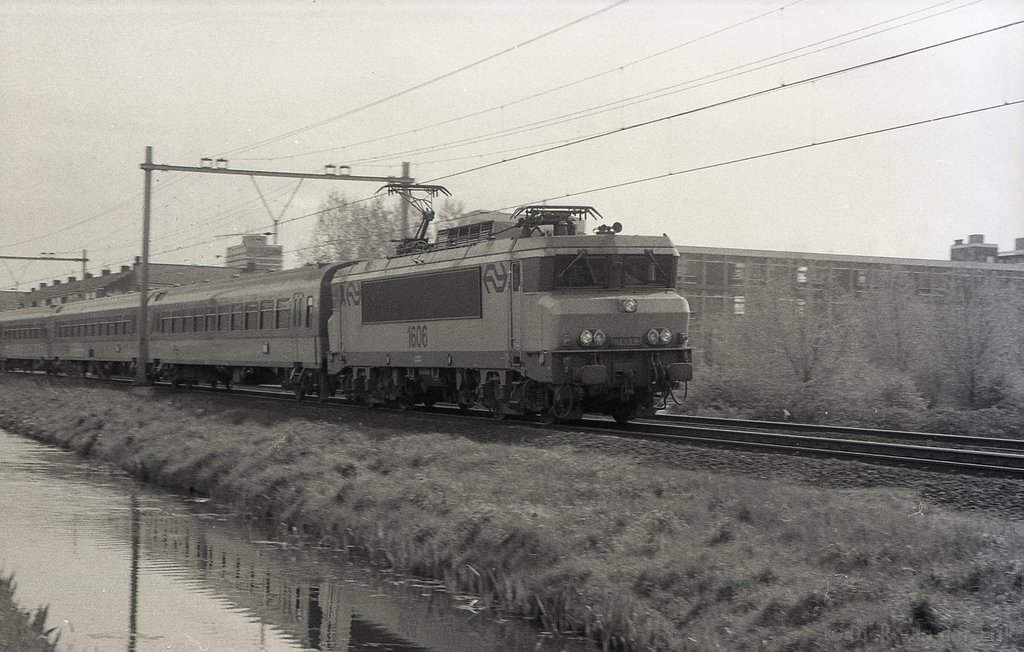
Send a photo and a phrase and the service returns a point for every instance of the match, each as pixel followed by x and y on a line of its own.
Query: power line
pixel 541 93
pixel 428 82
pixel 551 121
pixel 734 161
pixel 738 98
pixel 665 91
pixel 352 111
pixel 786 150
pixel 691 170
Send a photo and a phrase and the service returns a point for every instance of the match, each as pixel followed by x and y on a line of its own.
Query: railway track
pixel 937 451
pixel 957 453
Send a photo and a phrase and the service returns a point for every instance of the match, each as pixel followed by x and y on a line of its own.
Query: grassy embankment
pixel 638 556
pixel 21 630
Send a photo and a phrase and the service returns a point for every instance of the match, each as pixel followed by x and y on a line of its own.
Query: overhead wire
pixel 374 103
pixel 541 93
pixel 607 133
pixel 552 121
pixel 733 161
pixel 705 107
pixel 664 91
pixel 786 150
pixel 732 100
pixel 428 82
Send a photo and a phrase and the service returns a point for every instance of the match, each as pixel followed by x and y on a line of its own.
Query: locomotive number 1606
pixel 418 336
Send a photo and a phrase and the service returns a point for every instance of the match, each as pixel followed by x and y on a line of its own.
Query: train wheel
pixel 624 412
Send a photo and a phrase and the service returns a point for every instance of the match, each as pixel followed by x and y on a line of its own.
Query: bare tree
pixel 354 230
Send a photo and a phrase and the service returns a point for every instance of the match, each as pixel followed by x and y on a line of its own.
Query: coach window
pixel 165 324
pixel 252 315
pixel 309 311
pixel 283 310
pixel 236 316
pixel 266 315
pixel 186 322
pixel 224 318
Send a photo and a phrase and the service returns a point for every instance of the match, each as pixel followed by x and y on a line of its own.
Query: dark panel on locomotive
pixel 446 295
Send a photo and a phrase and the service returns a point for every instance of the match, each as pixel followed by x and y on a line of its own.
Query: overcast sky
pixel 86 86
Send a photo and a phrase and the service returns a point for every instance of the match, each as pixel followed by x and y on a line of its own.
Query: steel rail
pixel 945 439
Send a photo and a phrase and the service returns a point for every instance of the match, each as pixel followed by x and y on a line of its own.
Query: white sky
pixel 86 86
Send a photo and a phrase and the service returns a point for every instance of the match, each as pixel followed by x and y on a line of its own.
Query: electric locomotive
pixel 537 318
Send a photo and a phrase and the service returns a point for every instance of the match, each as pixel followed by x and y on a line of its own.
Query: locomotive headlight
pixel 665 336
pixel 628 305
pixel 600 338
pixel 586 338
pixel 653 336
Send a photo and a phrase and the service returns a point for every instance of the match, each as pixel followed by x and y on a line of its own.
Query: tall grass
pixel 636 556
pixel 22 630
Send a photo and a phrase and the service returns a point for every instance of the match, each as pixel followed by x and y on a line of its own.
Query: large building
pixel 9 300
pixel 718 280
pixel 254 255
pixel 109 283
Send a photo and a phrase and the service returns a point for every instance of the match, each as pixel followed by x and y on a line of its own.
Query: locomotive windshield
pixel 644 269
pixel 581 271
pixel 604 271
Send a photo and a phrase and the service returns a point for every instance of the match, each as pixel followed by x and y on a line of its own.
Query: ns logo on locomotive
pixel 531 317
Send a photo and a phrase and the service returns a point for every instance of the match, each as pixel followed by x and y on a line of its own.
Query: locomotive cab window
pixel 647 269
pixel 581 271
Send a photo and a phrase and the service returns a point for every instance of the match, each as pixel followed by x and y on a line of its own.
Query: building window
pixel 801 274
pixel 737 273
pixel 714 274
pixel 692 271
pixel 739 305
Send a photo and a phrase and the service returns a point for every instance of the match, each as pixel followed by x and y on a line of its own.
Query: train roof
pixel 536 246
pixel 26 314
pixel 279 284
pixel 283 283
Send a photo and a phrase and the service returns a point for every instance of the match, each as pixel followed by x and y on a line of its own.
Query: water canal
pixel 125 566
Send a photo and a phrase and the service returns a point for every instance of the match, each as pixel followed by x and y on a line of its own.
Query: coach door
pixel 299 342
pixel 515 312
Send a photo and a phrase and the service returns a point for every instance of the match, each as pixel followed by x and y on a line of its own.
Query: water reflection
pixel 200 578
pixel 133 590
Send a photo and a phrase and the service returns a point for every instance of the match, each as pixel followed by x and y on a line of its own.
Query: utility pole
pixel 218 166
pixel 405 204
pixel 142 328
